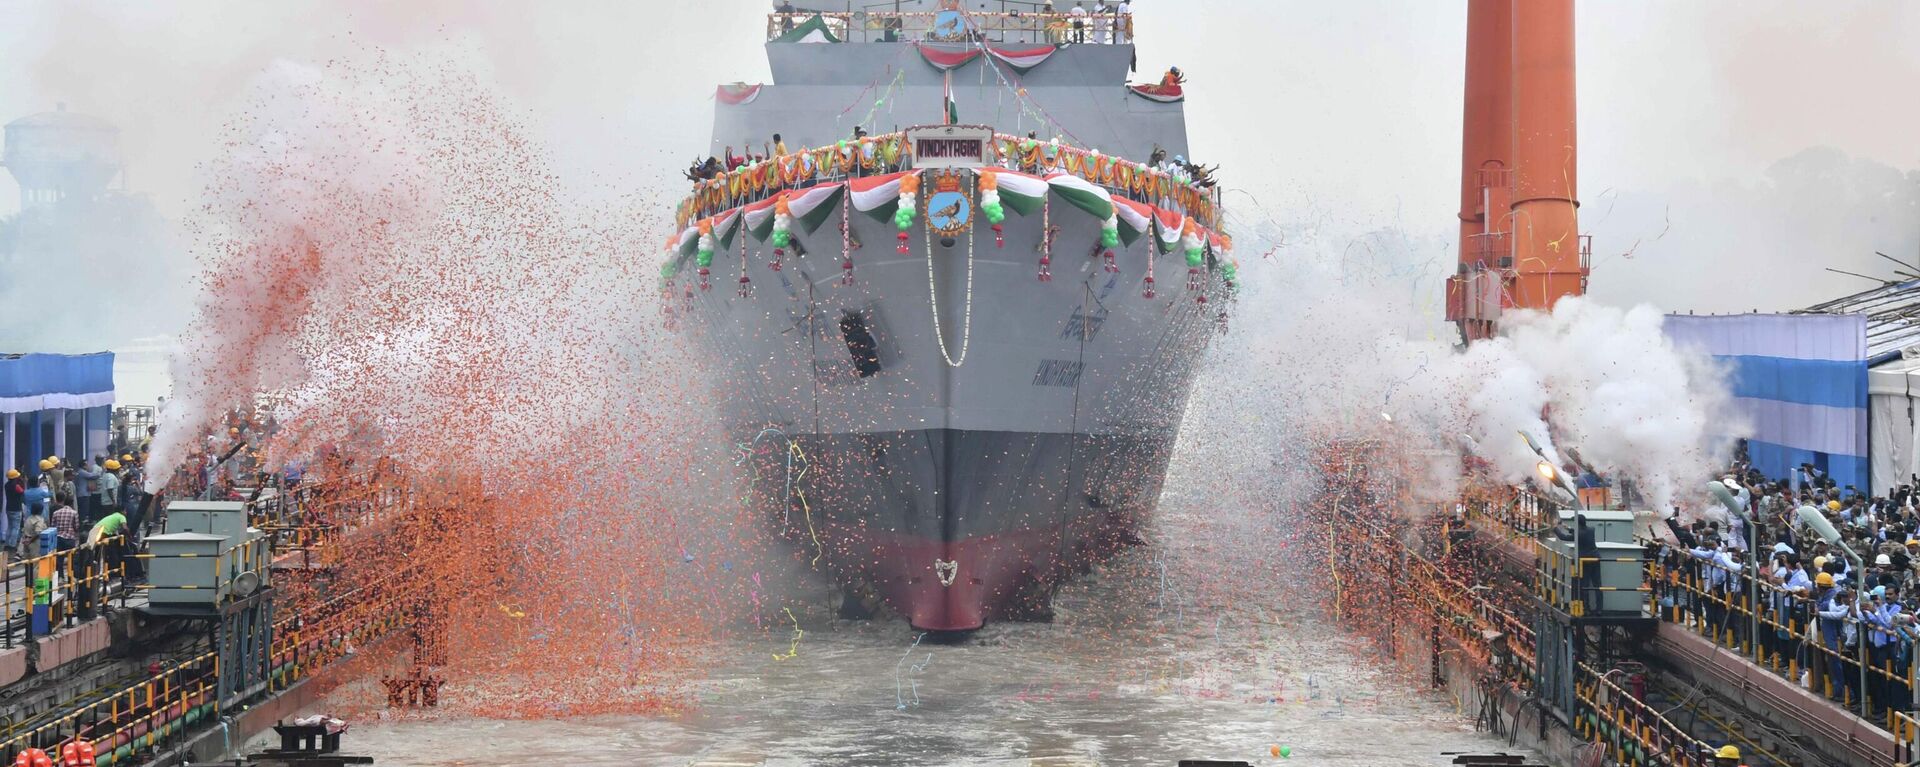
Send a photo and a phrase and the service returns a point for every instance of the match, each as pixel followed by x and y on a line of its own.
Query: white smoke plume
pixel 1326 339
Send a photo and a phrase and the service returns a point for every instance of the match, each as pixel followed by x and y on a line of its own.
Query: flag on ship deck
pixel 950 111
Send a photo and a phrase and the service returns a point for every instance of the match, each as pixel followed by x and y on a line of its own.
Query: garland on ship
pixel 872 155
pixel 895 198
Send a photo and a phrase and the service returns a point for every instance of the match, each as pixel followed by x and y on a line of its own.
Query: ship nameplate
pixel 951 146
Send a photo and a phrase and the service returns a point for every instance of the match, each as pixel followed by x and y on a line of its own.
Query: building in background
pixel 61 155
pixel 85 263
pixel 54 404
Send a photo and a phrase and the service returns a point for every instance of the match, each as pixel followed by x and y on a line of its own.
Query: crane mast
pixel 1520 241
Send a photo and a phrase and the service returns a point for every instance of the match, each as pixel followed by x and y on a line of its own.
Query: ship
pixel 956 311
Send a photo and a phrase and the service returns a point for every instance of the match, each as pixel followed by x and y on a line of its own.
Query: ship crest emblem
pixel 949 210
pixel 949 25
pixel 945 570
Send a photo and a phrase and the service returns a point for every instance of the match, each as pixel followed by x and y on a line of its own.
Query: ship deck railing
pixel 1005 26
pixel 868 156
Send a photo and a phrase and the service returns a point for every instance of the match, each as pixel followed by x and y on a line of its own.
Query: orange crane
pixel 1520 241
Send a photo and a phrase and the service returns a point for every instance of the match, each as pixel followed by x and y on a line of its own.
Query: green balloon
pixel 1286 752
pixel 704 258
pixel 843 144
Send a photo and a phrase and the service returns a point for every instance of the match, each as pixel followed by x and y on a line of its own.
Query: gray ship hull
pixel 957 473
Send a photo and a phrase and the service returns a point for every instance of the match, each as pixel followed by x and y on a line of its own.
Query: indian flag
pixel 1082 194
pixel 685 246
pixel 1170 223
pixel 811 206
pixel 759 218
pixel 877 196
pixel 1136 218
pixel 949 110
pixel 725 226
pixel 1020 192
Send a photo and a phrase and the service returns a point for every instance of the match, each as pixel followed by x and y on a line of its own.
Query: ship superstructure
pixel 960 313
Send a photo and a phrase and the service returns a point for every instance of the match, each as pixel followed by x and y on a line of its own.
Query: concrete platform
pixel 1762 691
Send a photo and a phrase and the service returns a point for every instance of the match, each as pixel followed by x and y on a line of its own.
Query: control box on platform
pixel 222 518
pixel 207 556
pixel 1601 571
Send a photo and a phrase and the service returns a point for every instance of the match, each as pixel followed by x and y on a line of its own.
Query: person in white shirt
pixel 1079 14
pixel 1123 22
pixel 1102 23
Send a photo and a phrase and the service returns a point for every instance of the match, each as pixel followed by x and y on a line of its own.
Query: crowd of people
pixel 100 498
pixel 1104 22
pixel 1822 606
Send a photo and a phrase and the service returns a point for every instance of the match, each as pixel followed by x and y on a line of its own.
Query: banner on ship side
pixel 1165 94
pixel 945 59
pixel 1020 58
pixel 736 94
pixel 1170 224
pixel 811 206
pixel 1135 218
pixel 1082 194
pixel 877 196
pixel 1024 59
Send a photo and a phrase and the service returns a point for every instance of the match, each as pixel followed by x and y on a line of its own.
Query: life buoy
pixel 32 757
pixel 77 753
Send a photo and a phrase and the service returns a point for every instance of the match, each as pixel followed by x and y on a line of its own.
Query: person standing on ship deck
pixel 1079 14
pixel 1102 25
pixel 786 12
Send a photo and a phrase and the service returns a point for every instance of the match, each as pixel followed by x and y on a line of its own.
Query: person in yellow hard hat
pixel 109 484
pixel 46 464
pixel 1727 756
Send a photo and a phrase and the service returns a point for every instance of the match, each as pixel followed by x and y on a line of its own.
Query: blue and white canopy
pixel 30 382
pixel 1801 380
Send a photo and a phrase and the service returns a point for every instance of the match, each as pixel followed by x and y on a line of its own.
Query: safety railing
pixel 1906 731
pixel 1779 630
pixel 958 26
pixel 891 153
pixel 71 583
pixel 1605 713
pixel 165 708
pixel 1634 732
pixel 155 711
pixel 304 518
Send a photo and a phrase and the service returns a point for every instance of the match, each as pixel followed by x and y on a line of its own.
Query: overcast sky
pixel 1347 112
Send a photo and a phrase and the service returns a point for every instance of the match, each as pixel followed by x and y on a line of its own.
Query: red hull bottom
pixel 993 576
